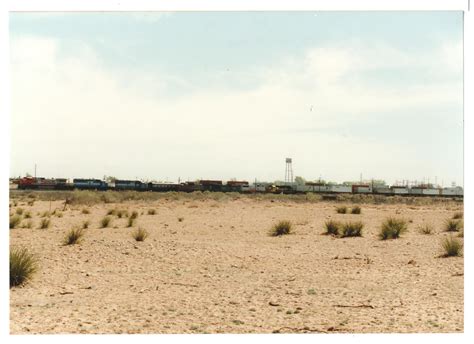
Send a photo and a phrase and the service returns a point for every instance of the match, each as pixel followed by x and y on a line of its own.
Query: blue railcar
pixel 134 185
pixel 90 184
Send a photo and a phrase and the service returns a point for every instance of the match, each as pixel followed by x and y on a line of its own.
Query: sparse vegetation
pixel 45 223
pixel 74 236
pixel 281 228
pixel 452 247
pixel 457 216
pixel 356 210
pixel 28 224
pixel 425 228
pixel 134 214
pixel 58 213
pixel 27 215
pixel 46 214
pixel 22 266
pixel 332 227
pixel 85 211
pixel 451 225
pixel 140 234
pixel 122 213
pixel 461 233
pixel 86 224
pixel 112 212
pixel 106 222
pixel 392 228
pixel 151 211
pixel 14 221
pixel 341 210
pixel 19 211
pixel 352 229
pixel 131 221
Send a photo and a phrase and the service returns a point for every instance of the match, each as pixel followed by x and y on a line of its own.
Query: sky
pixel 221 95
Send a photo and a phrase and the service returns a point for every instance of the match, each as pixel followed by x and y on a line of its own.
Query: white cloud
pixel 74 116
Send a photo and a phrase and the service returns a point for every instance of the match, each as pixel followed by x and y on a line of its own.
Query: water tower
pixel 288 171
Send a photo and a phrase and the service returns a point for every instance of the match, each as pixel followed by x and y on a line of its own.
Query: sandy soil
pixel 218 271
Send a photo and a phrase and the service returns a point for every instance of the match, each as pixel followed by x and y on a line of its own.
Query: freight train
pixel 31 183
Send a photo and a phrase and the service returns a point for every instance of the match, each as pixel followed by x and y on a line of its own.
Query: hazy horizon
pixel 221 95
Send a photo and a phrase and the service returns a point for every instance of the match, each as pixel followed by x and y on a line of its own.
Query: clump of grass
pixel 332 227
pixel 14 221
pixel 46 214
pixel 451 225
pixel 352 229
pixel 392 228
pixel 140 234
pixel 425 228
pixel 341 210
pixel 122 213
pixel 452 247
pixel 45 223
pixel 27 215
pixel 19 211
pixel 74 236
pixel 28 224
pixel 281 228
pixel 457 216
pixel 106 222
pixel 22 266
pixel 86 224
pixel 151 211
pixel 134 214
pixel 85 211
pixel 58 214
pixel 130 221
pixel 112 212
pixel 31 202
pixel 356 210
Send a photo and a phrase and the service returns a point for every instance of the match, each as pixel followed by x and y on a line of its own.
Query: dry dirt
pixel 218 271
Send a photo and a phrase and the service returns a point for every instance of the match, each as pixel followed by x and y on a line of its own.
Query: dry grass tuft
pixel 281 228
pixel 14 221
pixel 74 236
pixel 341 210
pixel 140 234
pixel 106 222
pixel 392 228
pixel 86 224
pixel 22 266
pixel 352 229
pixel 19 211
pixel 356 210
pixel 425 228
pixel 134 215
pixel 451 225
pixel 85 211
pixel 332 227
pixel 459 215
pixel 151 212
pixel 45 223
pixel 452 247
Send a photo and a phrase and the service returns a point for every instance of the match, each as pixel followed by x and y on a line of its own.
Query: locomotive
pixel 31 183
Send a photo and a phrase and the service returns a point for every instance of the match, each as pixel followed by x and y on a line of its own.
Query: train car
pixel 89 184
pixel 27 183
pixel 164 187
pixel 431 192
pixel 382 190
pixel 452 191
pixel 316 187
pixel 189 187
pixel 211 185
pixel 341 188
pixel 44 184
pixel 416 190
pixel 235 185
pixel 361 188
pixel 134 185
pixel 399 190
pixel 258 188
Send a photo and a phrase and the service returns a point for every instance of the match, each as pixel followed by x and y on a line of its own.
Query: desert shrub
pixel 27 215
pixel 14 221
pixel 392 228
pixel 356 210
pixel 106 222
pixel 457 216
pixel 281 228
pixel 28 224
pixel 341 210
pixel 85 211
pixel 140 234
pixel 352 229
pixel 22 266
pixel 45 223
pixel 74 236
pixel 86 224
pixel 425 228
pixel 131 221
pixel 151 211
pixel 134 214
pixel 452 247
pixel 451 225
pixel 19 211
pixel 332 227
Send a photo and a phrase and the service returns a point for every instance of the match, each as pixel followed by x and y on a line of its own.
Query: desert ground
pixel 210 266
